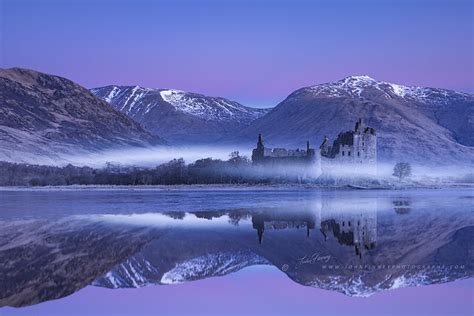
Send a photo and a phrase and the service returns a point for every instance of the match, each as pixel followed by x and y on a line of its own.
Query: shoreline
pixel 232 187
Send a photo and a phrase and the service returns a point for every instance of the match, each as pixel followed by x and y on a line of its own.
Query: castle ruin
pixel 356 147
pixel 263 154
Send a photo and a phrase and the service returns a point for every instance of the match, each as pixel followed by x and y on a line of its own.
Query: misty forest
pixel 236 170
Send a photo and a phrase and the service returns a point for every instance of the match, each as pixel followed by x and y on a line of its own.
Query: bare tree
pixel 402 170
pixel 236 159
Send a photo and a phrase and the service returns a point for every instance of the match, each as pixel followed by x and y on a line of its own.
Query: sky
pixel 254 52
pixel 257 290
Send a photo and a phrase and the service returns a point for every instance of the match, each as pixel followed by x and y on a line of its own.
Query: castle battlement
pixel 263 154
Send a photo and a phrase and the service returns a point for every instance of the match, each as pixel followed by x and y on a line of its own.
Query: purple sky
pixel 256 291
pixel 255 52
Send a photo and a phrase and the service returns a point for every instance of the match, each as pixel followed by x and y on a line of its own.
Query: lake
pixel 236 250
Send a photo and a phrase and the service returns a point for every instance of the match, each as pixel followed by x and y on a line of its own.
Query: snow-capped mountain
pixel 138 271
pixel 403 255
pixel 178 116
pixel 430 243
pixel 402 266
pixel 356 86
pixel 413 123
pixel 43 115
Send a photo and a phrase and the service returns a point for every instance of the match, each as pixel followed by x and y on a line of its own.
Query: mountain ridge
pixel 180 116
pixel 44 115
pixel 413 123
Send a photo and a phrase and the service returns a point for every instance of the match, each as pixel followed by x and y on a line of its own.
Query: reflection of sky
pixel 256 52
pixel 161 220
pixel 256 291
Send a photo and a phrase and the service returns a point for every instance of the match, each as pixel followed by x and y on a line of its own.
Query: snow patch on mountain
pixel 136 95
pixel 111 94
pixel 353 85
pixel 354 287
pixel 130 273
pixel 358 286
pixel 171 96
pixel 137 271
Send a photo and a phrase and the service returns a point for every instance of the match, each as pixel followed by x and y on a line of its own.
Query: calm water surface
pixel 279 252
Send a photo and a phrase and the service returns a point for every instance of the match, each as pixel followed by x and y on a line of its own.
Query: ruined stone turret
pixel 259 152
pixel 358 146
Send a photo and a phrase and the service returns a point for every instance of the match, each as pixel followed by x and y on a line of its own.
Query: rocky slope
pixel 44 115
pixel 413 123
pixel 180 117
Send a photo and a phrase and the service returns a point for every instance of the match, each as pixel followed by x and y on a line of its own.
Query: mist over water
pixel 153 156
pixel 150 157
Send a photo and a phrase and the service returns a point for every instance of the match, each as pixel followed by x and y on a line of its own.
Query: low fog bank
pixel 151 156
pixel 154 156
pixel 223 165
pixel 418 173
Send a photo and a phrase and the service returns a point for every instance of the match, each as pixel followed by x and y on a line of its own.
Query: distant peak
pixel 358 78
pixel 170 91
pixel 352 85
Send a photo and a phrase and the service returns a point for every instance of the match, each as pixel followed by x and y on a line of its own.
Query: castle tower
pixel 258 153
pixel 258 224
pixel 360 126
pixel 260 142
pixel 358 146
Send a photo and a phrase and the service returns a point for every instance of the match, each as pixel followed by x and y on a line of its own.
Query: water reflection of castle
pixel 359 231
pixel 263 221
pixel 351 223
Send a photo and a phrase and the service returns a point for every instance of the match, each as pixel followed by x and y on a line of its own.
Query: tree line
pixel 236 170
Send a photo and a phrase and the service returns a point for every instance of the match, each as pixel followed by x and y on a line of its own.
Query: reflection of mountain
pixel 430 244
pixel 404 257
pixel 40 261
pixel 397 251
pixel 138 271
